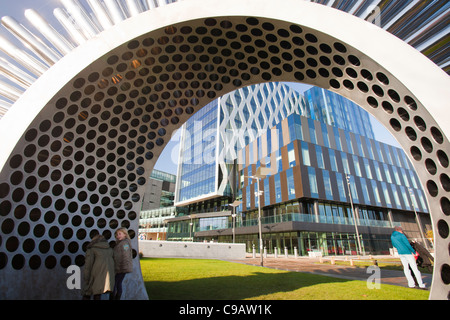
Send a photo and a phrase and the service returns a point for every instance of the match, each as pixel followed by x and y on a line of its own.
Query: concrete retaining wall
pixel 174 249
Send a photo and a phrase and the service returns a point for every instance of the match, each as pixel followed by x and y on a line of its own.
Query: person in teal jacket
pixel 406 254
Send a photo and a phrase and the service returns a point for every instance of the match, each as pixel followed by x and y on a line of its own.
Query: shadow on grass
pixel 234 287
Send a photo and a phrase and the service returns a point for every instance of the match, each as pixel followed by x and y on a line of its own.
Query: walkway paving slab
pixel 313 265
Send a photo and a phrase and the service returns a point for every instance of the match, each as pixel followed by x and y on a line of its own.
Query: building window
pixel 266 192
pixel 278 160
pixel 386 194
pixel 396 175
pixel 353 189
pixel 369 148
pixel 319 155
pixel 277 188
pixel 376 193
pixel 326 139
pixel 396 197
pixel 368 170
pixel 341 187
pixel 405 177
pixel 332 160
pixel 290 183
pixel 305 154
pixel 380 153
pixel 247 198
pixel 295 128
pixel 357 167
pixel 312 131
pixel 291 155
pixel 406 200
pixel 345 163
pixel 388 154
pixel 280 135
pixel 313 182
pixel 365 191
pixel 377 170
pixel 387 172
pixel 422 200
pixel 360 146
pixel 298 128
pixel 327 185
pixel 337 139
pixel 349 142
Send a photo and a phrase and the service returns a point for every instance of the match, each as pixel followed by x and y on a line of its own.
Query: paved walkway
pixel 313 265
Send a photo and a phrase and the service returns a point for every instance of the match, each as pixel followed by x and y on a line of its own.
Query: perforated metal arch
pixel 82 164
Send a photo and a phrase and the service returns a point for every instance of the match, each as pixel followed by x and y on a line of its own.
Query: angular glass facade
pixel 333 109
pixel 198 160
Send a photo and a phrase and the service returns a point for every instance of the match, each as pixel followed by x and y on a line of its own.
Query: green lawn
pixel 196 279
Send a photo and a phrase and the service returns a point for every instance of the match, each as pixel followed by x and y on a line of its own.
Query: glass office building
pixel 314 169
pixel 318 143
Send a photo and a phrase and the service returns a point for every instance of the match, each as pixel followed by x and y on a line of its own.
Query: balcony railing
pixel 301 217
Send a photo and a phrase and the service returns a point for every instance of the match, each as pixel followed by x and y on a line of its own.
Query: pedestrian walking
pixel 123 260
pixel 98 277
pixel 406 253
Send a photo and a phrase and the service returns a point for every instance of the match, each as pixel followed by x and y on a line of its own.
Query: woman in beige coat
pixel 98 269
pixel 123 259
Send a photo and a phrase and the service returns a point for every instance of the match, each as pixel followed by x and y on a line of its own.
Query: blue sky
pixel 167 160
pixel 16 8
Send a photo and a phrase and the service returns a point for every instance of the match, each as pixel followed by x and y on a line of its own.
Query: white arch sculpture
pixel 76 147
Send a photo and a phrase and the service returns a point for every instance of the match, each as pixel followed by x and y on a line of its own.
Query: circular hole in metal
pixel 411 103
pixel 437 135
pixel 18 261
pixel 372 102
pixel 445 275
pixel 430 166
pixel 443 229
pixel 445 205
pixel 377 90
pixel 394 95
pixel 442 158
pixel 363 87
pixel 366 74
pixel 395 124
pixel 445 181
pixel 420 123
pixel 382 78
pixel 432 188
pixel 426 144
pixel 411 133
pixel 403 114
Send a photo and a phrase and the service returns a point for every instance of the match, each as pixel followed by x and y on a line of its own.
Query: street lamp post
pixel 261 173
pixel 190 229
pixel 233 215
pixel 353 211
